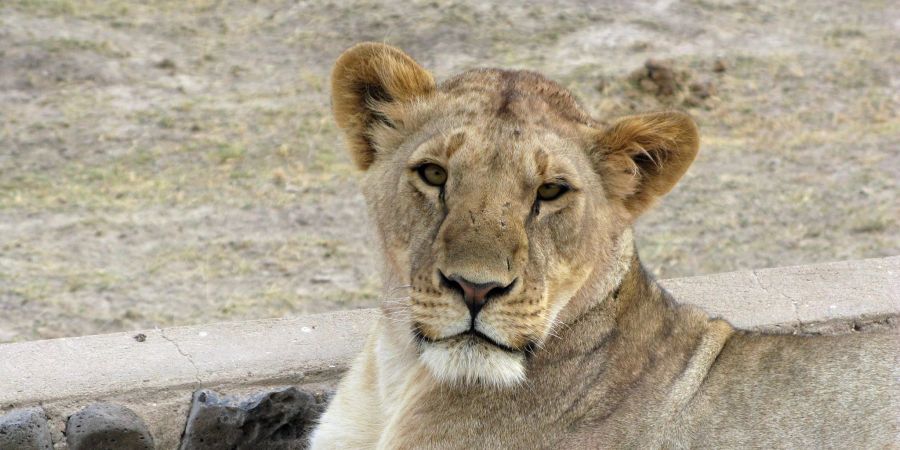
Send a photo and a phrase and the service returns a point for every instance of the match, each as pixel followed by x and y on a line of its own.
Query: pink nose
pixel 475 295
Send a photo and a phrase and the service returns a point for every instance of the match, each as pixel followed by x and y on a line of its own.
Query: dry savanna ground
pixel 174 162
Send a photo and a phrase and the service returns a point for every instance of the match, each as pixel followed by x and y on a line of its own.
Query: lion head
pixel 497 201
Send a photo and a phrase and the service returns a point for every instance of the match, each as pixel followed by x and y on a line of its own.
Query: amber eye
pixel 551 191
pixel 432 174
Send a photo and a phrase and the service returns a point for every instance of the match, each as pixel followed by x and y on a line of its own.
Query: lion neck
pixel 620 299
pixel 605 277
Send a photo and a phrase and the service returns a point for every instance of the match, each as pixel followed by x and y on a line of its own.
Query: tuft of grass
pixel 871 225
pixel 226 153
pixel 47 7
pixel 64 45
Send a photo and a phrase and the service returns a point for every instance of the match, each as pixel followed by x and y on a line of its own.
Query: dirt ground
pixel 167 163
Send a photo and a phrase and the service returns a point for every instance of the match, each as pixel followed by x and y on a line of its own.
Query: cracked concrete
pixel 794 307
pixel 183 353
pixel 798 299
pixel 155 372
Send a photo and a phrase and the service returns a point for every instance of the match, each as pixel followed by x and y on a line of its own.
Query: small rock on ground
pixel 280 419
pixel 25 429
pixel 105 426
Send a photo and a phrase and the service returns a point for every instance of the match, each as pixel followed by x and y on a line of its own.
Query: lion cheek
pixel 563 282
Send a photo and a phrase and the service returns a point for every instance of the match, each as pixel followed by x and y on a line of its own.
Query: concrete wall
pixel 155 372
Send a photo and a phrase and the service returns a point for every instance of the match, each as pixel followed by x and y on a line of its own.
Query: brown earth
pixel 173 162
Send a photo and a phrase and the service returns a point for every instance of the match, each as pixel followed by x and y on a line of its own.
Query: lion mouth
pixel 474 337
pixel 472 357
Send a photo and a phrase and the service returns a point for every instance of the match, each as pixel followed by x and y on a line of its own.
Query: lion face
pixel 490 238
pixel 496 199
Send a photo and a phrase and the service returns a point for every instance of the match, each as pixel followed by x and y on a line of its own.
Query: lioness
pixel 527 321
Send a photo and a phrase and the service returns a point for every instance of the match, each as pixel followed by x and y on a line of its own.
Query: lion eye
pixel 551 191
pixel 432 174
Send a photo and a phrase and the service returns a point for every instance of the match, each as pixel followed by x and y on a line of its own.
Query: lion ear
pixel 365 77
pixel 640 158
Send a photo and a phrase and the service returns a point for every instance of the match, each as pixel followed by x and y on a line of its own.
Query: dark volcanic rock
pixel 105 426
pixel 662 76
pixel 279 419
pixel 25 429
pixel 672 86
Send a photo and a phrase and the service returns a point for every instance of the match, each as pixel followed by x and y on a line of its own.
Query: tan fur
pixel 590 352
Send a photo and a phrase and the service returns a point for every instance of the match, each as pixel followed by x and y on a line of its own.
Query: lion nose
pixel 475 295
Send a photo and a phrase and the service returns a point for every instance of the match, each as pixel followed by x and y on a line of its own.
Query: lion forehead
pixel 518 95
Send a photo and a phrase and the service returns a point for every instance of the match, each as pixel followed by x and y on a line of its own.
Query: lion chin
pixel 469 360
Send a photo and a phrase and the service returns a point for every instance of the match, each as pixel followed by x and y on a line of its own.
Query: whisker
pixel 405 286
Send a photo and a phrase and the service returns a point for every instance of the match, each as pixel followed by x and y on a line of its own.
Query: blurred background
pixel 175 162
